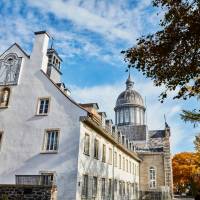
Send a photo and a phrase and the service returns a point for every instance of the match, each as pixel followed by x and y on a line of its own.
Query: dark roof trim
pixel 63 92
pixel 15 44
pixel 42 32
pixel 104 133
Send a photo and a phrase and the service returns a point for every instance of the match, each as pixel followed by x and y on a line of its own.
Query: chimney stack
pixel 39 52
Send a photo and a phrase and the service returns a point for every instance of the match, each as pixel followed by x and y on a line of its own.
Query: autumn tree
pixel 171 56
pixel 197 143
pixel 185 172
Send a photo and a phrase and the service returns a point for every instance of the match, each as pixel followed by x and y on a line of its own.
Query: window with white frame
pixel 94 186
pixel 152 178
pixel 87 144
pixel 85 186
pixel 43 106
pixel 51 140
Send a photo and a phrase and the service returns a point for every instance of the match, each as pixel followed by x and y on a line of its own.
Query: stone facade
pixel 155 160
pixel 27 192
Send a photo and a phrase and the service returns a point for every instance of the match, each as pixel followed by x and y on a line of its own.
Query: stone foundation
pixel 27 192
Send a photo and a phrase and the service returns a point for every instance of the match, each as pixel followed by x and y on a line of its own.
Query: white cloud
pixel 112 20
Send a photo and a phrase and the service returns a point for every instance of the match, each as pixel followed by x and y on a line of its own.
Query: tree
pixel 171 56
pixel 197 143
pixel 185 172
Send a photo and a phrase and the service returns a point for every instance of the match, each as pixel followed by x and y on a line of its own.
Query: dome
pixel 130 96
pixel 129 109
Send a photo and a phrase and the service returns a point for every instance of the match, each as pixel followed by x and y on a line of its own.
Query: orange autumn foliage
pixel 186 171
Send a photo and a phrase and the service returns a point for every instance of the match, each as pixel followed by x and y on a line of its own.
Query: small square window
pixel 43 106
pixel 51 141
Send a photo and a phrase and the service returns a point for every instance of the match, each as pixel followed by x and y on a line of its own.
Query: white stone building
pixel 48 138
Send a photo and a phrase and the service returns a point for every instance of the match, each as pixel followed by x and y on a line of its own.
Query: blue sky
pixel 89 36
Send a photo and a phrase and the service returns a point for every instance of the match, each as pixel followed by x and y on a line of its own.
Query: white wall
pixel 24 131
pixel 93 167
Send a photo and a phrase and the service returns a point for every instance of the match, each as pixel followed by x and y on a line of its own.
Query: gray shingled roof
pixel 157 134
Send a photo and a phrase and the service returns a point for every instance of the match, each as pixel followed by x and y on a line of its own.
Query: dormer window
pixel 43 106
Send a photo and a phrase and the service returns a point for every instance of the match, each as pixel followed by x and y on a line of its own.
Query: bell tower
pixel 54 65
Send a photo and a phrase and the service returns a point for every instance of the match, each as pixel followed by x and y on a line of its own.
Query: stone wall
pixel 27 192
pixel 151 160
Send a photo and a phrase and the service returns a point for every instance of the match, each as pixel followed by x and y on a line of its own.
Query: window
pixel 132 168
pixel 123 186
pixel 47 178
pixel 121 120
pixel 126 165
pixel 104 153
pixel 120 188
pixel 126 115
pixel 129 166
pixel 87 144
pixel 115 159
pixel 43 106
pixel 109 187
pixel 103 187
pixel 85 186
pixel 1 135
pixel 4 97
pixel 94 187
pixel 115 185
pixel 51 140
pixel 152 178
pixel 123 163
pixel 96 149
pixel 110 156
pixel 120 161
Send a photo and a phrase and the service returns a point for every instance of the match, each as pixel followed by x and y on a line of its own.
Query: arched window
pixel 152 178
pixel 4 97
